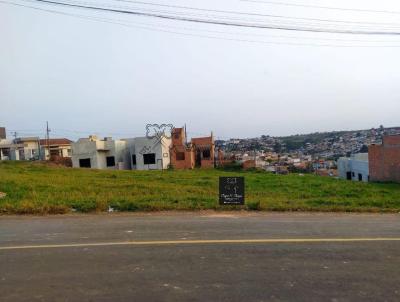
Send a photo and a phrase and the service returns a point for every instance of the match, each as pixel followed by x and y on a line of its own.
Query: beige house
pixel 24 148
pixel 59 147
pixel 33 148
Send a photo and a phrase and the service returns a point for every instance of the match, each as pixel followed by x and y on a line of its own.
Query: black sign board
pixel 231 190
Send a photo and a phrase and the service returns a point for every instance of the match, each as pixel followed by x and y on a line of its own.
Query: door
pixel 198 158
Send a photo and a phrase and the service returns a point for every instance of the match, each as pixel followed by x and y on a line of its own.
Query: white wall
pixel 98 150
pixel 145 145
pixel 84 148
pixel 357 164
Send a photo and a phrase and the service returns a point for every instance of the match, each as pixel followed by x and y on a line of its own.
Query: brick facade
pixel 384 160
pixel 3 133
pixel 198 153
pixel 181 154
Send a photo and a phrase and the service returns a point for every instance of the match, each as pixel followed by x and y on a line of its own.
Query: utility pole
pixel 185 135
pixel 47 139
pixel 40 153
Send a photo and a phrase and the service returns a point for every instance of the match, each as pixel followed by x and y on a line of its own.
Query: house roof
pixel 199 141
pixel 55 141
pixel 27 139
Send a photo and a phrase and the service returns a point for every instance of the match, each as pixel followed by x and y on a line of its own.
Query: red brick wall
pixel 178 137
pixel 384 160
pixel 178 145
pixel 391 140
pixel 248 164
pixel 3 133
pixel 188 163
pixel 207 163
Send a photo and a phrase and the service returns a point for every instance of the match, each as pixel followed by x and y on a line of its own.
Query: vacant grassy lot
pixel 37 188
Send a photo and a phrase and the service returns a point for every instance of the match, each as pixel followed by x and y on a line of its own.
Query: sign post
pixel 231 190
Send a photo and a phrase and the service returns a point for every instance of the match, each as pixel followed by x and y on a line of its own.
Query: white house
pixel 140 153
pixel 100 154
pixel 149 153
pixel 354 168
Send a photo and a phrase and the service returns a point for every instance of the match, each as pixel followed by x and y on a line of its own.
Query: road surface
pixel 201 256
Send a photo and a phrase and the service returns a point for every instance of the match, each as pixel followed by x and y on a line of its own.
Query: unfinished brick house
pixel 199 153
pixel 384 160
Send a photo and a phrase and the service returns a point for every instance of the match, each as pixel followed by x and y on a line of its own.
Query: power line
pixel 207 36
pixel 324 7
pixel 225 17
pixel 204 30
pixel 221 22
pixel 255 14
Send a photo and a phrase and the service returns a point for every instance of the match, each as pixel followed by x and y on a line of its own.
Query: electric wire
pixel 323 7
pixel 256 14
pixel 207 36
pixel 209 31
pixel 220 22
pixel 180 13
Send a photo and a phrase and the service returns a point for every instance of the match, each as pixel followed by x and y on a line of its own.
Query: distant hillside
pixel 332 145
pixel 297 141
pixel 294 142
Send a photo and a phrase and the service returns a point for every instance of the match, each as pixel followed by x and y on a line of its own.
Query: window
pixel 359 177
pixel 134 159
pixel 149 158
pixel 353 174
pixel 85 163
pixel 206 154
pixel 110 161
pixel 180 155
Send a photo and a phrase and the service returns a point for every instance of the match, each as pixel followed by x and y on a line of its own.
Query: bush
pixel 254 206
pixel 234 166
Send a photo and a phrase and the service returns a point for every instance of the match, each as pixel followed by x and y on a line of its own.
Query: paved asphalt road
pixel 141 257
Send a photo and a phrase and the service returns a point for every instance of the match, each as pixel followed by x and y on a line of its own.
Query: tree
pixel 277 147
pixel 364 149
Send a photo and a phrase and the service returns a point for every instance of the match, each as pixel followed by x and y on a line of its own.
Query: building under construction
pixel 198 153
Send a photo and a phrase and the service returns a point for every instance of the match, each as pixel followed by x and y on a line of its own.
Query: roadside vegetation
pixel 37 188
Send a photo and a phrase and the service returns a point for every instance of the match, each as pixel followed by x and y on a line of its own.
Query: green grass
pixel 34 188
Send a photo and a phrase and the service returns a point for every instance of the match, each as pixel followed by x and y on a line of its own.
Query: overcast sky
pixel 85 76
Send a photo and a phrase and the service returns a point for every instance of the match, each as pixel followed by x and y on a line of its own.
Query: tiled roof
pixel 55 141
